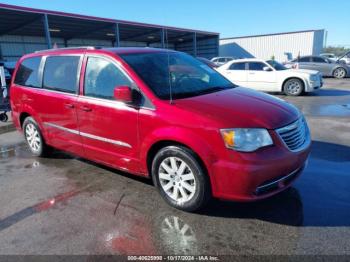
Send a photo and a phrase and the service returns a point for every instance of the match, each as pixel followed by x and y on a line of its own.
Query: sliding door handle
pixel 69 106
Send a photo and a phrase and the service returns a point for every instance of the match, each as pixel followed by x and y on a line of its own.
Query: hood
pixel 241 107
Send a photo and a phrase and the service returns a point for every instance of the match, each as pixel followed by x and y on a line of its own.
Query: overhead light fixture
pixel 180 39
pixel 54 30
pixel 150 37
pixel 110 34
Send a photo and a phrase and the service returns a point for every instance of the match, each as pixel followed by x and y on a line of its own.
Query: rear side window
pixel 101 77
pixel 61 73
pixel 237 66
pixel 28 73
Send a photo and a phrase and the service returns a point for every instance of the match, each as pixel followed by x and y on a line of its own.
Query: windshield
pixel 184 74
pixel 277 66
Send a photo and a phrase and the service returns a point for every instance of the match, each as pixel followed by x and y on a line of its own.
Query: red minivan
pixel 160 114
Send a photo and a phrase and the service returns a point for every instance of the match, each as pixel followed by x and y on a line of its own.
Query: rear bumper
pixel 260 175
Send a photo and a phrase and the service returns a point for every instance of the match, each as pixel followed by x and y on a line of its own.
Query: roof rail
pixel 69 48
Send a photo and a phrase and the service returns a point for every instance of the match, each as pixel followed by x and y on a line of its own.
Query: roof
pixel 13 10
pixel 283 33
pixel 136 50
pixel 114 50
pixel 248 60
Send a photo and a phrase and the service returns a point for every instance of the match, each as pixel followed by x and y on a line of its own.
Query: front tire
pixel 34 138
pixel 180 178
pixel 293 87
pixel 339 73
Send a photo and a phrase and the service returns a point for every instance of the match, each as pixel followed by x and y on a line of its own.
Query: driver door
pixel 259 79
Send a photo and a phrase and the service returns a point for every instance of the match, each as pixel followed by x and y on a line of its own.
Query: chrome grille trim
pixel 295 136
pixel 274 182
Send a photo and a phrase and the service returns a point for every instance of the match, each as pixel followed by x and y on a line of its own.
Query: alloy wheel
pixel 33 137
pixel 339 73
pixel 177 179
pixel 294 87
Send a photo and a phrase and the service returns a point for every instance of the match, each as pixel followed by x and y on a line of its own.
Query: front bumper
pixel 257 175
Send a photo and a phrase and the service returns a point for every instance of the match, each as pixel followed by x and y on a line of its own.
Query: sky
pixel 228 17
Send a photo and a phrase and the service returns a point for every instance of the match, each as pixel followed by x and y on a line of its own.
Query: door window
pixel 237 66
pixel 61 73
pixel 28 73
pixel 305 59
pixel 101 77
pixel 256 66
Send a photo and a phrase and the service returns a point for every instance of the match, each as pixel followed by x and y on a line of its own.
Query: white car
pixel 271 76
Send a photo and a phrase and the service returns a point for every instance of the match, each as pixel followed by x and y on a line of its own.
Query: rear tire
pixel 180 178
pixel 34 138
pixel 339 73
pixel 293 87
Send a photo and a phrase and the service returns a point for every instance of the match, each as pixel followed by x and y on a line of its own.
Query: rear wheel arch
pixel 22 117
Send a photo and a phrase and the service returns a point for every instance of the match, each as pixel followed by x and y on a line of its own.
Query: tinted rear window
pixel 61 73
pixel 28 73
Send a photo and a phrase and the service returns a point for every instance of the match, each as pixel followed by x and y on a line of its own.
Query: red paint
pixel 194 122
pixel 123 94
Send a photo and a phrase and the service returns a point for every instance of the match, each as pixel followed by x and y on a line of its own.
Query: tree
pixel 337 50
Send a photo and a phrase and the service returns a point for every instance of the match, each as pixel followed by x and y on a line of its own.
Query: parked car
pixel 208 62
pixel 324 65
pixel 330 56
pixel 222 60
pixel 160 114
pixel 271 76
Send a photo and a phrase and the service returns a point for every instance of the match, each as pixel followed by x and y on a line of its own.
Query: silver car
pixel 326 66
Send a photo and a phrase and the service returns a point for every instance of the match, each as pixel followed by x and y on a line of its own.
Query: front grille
pixel 296 135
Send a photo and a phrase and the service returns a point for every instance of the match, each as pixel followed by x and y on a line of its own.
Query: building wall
pixel 267 46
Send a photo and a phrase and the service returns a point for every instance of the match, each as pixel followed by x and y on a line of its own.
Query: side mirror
pixel 123 94
pixel 267 69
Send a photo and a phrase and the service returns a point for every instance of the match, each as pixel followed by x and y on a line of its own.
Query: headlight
pixel 313 78
pixel 246 139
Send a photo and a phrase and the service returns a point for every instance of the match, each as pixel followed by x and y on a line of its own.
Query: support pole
pixel 194 44
pixel 117 36
pixel 47 31
pixel 162 37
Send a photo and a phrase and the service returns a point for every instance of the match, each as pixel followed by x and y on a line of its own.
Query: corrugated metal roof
pixel 283 33
pixel 94 18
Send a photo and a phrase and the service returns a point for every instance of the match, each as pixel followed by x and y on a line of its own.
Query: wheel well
pixel 293 77
pixel 161 144
pixel 22 117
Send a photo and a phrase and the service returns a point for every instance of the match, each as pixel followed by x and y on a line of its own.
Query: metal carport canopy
pixel 17 20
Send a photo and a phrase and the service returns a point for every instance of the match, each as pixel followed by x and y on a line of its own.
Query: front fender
pixel 182 136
